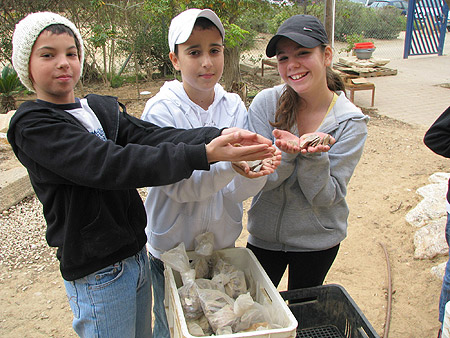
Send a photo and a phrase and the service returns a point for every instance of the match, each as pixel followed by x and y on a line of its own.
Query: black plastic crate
pixel 327 311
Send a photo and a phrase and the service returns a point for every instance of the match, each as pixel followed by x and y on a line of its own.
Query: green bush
pixel 381 23
pixel 352 19
pixel 389 23
pixel 116 81
pixel 10 85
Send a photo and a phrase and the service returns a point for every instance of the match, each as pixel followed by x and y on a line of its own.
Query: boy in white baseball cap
pixel 85 159
pixel 205 202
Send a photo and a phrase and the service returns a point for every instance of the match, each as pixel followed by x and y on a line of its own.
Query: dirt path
pixel 395 163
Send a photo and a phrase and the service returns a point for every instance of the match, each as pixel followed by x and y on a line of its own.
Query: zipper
pixel 280 216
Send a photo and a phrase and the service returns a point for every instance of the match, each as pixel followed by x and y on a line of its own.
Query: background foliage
pixel 124 37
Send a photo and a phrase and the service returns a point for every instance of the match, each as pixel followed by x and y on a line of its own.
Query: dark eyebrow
pixel 52 48
pixel 193 47
pixel 296 49
pixel 211 45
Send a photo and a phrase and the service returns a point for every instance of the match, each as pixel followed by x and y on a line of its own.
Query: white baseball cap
pixel 181 26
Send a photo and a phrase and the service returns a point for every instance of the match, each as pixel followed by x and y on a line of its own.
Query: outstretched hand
pixel 289 143
pixel 259 168
pixel 251 146
pixel 247 137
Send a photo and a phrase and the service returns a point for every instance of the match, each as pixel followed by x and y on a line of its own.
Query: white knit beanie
pixel 25 34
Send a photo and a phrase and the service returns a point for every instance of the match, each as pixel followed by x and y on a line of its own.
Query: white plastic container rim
pixel 446 323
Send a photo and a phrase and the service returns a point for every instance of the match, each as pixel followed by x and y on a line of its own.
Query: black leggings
pixel 306 269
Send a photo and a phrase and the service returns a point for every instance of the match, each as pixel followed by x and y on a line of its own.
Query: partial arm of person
pixel 437 138
pixel 83 159
pixel 221 148
pixel 260 113
pixel 202 184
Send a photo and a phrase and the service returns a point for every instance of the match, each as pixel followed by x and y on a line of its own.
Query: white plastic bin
pixel 446 322
pixel 245 260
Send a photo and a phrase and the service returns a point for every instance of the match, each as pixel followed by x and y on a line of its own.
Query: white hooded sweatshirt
pixel 208 201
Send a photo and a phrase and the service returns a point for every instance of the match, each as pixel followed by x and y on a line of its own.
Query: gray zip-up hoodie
pixel 302 207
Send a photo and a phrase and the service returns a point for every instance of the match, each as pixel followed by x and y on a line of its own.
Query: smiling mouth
pixel 297 76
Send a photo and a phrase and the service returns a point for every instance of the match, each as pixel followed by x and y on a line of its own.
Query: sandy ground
pixel 394 164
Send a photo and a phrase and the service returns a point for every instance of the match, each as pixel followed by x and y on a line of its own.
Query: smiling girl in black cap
pixel 300 216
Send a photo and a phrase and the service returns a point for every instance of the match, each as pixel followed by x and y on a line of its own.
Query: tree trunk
pixel 231 70
pixel 232 73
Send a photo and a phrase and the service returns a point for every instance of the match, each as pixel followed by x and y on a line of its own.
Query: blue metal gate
pixel 425 28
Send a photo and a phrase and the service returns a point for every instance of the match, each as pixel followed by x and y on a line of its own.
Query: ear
pixel 174 60
pixel 30 76
pixel 328 56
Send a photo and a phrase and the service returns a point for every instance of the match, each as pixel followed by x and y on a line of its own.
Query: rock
pixel 430 215
pixel 439 270
pixel 430 240
pixel 433 206
pixel 427 210
pixel 4 120
pixel 439 178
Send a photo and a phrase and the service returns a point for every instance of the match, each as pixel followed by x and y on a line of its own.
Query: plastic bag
pixel 204 247
pixel 201 323
pixel 190 301
pixel 210 284
pixel 237 284
pixel 218 308
pixel 178 260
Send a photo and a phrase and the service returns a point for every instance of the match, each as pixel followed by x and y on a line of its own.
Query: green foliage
pixel 389 23
pixel 116 81
pixel 10 82
pixel 352 20
pixel 10 85
pixel 136 30
pixel 381 23
pixel 101 34
pixel 235 35
pixel 351 40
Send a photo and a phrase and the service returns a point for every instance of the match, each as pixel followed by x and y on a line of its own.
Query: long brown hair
pixel 289 101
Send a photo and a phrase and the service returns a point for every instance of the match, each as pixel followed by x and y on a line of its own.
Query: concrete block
pixel 15 185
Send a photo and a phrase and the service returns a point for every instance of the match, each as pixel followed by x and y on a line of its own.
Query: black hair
pixel 63 29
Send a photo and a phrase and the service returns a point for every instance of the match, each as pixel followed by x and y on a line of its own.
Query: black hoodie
pixel 437 138
pixel 87 186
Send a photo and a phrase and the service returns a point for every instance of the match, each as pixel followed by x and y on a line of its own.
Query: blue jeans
pixel 114 302
pixel 445 290
pixel 161 327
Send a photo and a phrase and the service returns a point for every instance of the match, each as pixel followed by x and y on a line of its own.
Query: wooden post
pixel 329 20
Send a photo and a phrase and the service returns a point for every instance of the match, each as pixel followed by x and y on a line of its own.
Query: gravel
pixel 22 238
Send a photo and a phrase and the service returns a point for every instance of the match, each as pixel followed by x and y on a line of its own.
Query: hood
pixel 343 110
pixel 173 91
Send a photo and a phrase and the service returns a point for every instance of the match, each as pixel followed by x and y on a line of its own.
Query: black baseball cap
pixel 306 30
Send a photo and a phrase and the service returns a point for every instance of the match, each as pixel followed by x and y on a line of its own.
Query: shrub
pixel 10 85
pixel 351 20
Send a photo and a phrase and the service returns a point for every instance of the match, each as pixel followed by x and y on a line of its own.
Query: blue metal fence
pixel 425 29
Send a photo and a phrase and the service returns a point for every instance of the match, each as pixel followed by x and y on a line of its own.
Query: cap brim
pixel 301 39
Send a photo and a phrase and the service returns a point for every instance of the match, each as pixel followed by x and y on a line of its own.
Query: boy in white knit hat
pixel 207 201
pixel 85 158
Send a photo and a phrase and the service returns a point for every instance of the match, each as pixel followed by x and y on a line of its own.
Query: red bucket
pixel 364 45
